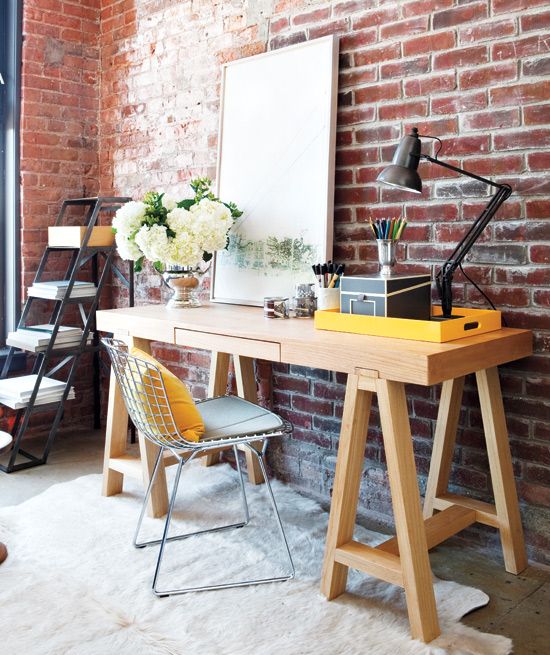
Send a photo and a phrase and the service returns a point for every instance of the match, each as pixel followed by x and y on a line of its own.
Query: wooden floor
pixel 518 607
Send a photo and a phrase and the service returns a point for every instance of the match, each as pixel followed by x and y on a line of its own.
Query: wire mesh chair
pixel 229 421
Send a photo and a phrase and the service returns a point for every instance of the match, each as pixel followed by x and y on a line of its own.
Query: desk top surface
pixel 244 330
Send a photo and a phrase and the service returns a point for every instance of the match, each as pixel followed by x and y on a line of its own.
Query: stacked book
pixel 16 392
pixel 35 339
pixel 56 289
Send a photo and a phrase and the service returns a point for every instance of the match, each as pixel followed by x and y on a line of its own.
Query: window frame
pixel 11 39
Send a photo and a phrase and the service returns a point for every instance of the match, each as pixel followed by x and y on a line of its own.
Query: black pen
pixel 324 273
pixel 317 271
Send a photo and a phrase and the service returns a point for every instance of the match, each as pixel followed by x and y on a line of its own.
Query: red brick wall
pixel 160 65
pixel 474 74
pixel 59 147
pixel 470 73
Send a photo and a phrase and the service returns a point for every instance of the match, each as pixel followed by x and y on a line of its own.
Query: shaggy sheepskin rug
pixel 74 585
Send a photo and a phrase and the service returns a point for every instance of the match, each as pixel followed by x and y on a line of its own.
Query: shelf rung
pixel 21 466
pixel 42 407
pixel 30 457
pixel 97 248
pixel 57 351
pixel 73 301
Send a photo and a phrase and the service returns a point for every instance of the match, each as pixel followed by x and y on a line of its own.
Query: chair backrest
pixel 144 395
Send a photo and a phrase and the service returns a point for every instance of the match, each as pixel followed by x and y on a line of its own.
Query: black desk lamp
pixel 402 173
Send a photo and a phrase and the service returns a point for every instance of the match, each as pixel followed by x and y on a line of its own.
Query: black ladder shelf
pixel 68 357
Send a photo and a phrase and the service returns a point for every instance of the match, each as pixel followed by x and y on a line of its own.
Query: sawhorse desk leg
pixel 246 388
pixel 347 479
pixel 409 525
pixel 403 561
pixel 504 514
pixel 116 444
pixel 116 436
pixel 217 386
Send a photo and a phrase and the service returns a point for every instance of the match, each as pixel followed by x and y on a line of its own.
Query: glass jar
pixel 304 301
pixel 275 307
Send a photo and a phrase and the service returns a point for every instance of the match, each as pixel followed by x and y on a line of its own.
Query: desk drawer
pixel 269 350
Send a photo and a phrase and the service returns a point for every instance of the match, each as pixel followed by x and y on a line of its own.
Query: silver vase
pixel 386 256
pixel 184 283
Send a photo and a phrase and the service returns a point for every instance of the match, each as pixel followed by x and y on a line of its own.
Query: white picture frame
pixel 276 160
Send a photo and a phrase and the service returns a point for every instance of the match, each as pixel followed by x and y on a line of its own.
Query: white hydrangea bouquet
pixel 174 234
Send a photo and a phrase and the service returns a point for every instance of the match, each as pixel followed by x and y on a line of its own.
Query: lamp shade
pixel 402 172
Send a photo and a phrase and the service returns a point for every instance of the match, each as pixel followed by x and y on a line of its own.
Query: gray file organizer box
pixel 401 296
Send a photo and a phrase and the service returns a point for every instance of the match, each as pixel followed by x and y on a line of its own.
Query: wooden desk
pixel 374 365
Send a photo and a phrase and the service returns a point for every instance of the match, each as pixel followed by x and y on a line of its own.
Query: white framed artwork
pixel 276 162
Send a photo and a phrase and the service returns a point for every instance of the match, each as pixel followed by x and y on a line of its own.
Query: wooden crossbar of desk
pixel 383 561
pixel 375 365
pixel 438 528
pixel 372 561
pixel 485 512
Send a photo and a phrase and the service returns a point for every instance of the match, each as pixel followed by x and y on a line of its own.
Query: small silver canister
pixel 386 256
pixel 304 301
pixel 275 307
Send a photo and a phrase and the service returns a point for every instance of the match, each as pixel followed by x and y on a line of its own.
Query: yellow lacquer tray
pixel 468 322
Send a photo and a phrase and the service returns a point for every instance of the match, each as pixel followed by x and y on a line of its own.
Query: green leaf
pixel 113 230
pixel 201 187
pixel 187 203
pixel 150 198
pixel 158 267
pixel 235 211
pixel 138 265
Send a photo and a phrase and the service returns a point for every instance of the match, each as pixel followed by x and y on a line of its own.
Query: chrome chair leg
pixel 260 457
pixel 186 535
pixel 146 500
pixel 167 527
pixel 228 585
pixel 243 492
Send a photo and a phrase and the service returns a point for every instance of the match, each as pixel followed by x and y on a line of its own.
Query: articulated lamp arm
pixel 444 277
pixel 402 173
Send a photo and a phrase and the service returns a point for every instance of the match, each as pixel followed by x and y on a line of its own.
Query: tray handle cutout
pixel 472 325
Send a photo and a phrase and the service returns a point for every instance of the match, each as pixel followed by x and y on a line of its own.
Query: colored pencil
pixel 386 228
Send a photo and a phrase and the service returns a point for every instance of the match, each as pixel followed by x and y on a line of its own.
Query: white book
pixel 61 284
pixel 56 290
pixel 21 404
pixel 21 388
pixel 63 329
pixel 41 398
pixel 41 335
pixel 30 347
pixel 40 292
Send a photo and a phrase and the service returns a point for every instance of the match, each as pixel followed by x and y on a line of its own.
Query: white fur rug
pixel 74 585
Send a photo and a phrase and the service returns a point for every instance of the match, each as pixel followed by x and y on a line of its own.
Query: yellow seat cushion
pixel 186 415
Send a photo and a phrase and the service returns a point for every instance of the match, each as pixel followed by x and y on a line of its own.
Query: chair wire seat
pixel 229 421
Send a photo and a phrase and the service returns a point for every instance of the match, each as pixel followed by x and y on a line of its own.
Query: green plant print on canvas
pixel 272 253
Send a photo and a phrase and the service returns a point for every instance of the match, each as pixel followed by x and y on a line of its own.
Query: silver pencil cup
pixel 386 256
